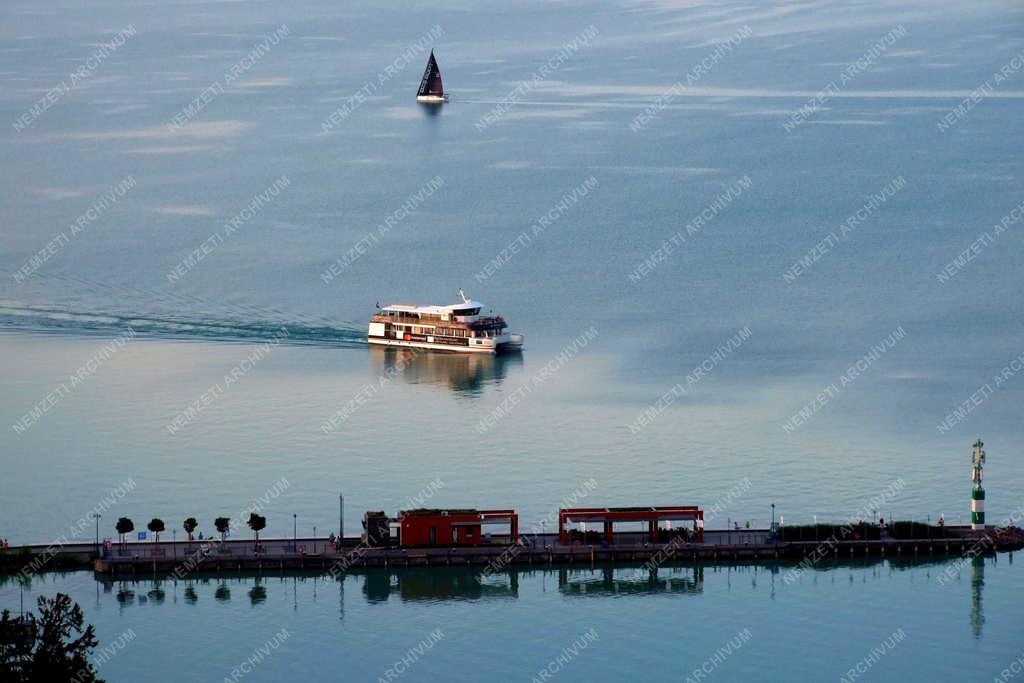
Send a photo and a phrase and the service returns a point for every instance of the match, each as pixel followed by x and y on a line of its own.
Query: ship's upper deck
pixel 464 309
pixel 465 314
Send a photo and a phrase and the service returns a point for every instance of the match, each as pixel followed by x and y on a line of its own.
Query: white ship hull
pixel 432 99
pixel 491 346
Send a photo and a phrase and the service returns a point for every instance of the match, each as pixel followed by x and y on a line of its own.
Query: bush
pixel 861 531
pixel 908 530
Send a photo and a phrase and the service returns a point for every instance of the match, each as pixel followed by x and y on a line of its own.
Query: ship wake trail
pixel 52 319
pixel 199 321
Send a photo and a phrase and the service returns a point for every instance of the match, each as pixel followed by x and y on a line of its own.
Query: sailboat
pixel 431 89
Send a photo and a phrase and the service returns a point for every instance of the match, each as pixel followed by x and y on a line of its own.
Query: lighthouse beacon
pixel 977 492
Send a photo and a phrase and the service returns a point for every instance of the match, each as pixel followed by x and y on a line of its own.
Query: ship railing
pixel 437 322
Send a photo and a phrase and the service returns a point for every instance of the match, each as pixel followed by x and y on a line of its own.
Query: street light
pixel 97 516
pixel 773 516
pixel 295 531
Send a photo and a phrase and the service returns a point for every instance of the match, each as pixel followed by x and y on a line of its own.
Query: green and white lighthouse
pixel 977 492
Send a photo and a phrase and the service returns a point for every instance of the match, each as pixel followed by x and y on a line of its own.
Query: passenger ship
pixel 458 327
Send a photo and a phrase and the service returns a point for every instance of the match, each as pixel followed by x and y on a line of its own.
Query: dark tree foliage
pixel 156 525
pixel 124 526
pixel 189 526
pixel 17 639
pixel 222 524
pixel 257 523
pixel 53 646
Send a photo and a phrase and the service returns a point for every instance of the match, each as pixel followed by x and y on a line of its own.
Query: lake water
pixel 731 301
pixel 886 621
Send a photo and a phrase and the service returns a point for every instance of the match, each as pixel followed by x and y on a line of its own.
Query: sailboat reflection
pixel 466 374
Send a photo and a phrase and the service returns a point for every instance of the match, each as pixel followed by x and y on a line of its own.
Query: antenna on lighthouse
pixel 977 491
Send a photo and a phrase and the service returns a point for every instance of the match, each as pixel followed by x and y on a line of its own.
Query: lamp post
pixel 773 517
pixel 295 532
pixel 174 543
pixel 97 516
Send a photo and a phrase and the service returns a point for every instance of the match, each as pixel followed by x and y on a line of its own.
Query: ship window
pixel 466 311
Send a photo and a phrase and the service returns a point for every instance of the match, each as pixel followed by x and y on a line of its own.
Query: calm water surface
pixel 522 432
pixel 940 621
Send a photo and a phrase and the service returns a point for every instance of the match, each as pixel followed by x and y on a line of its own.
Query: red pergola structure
pixel 451 527
pixel 651 515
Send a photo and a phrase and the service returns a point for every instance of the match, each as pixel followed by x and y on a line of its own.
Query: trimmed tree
pixel 156 525
pixel 222 524
pixel 257 523
pixel 189 525
pixel 124 526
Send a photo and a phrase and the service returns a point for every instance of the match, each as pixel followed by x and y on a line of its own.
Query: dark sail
pixel 431 83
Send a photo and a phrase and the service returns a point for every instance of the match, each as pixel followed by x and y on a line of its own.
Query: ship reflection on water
pixel 466 374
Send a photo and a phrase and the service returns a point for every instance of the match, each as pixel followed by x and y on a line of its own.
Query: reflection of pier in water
pixel 475 584
pixel 463 373
pixel 439 584
pixel 605 581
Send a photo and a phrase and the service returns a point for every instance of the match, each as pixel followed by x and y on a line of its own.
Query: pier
pixel 182 558
pixel 546 551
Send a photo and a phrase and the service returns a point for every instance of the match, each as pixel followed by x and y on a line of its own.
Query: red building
pixel 691 516
pixel 454 527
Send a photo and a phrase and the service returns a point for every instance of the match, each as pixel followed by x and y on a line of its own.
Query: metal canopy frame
pixel 650 514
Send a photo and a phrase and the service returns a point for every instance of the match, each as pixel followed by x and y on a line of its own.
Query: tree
pixel 190 525
pixel 222 524
pixel 17 639
pixel 54 646
pixel 156 525
pixel 257 523
pixel 124 526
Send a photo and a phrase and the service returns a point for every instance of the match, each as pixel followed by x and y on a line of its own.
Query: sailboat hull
pixel 432 99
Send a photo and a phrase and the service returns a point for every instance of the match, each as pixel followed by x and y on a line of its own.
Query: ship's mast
pixel 977 492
